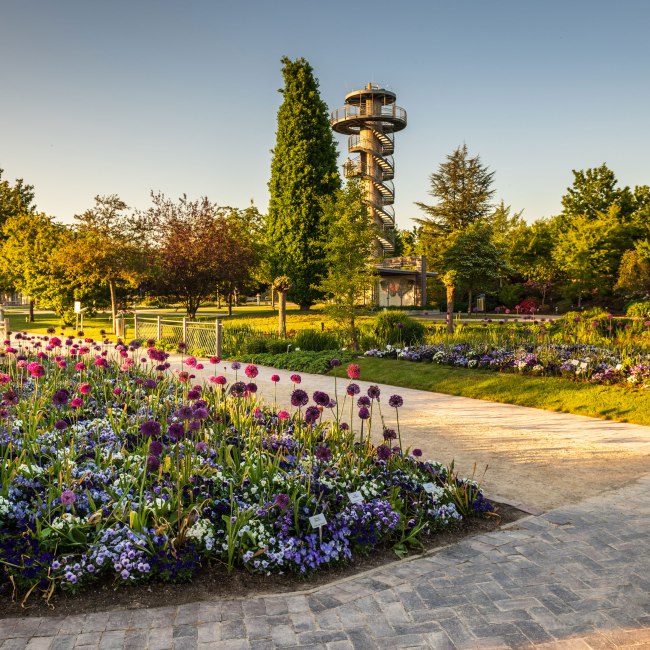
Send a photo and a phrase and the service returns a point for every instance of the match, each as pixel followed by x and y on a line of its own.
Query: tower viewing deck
pixel 370 117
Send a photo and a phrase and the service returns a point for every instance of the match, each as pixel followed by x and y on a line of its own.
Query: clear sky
pixel 128 96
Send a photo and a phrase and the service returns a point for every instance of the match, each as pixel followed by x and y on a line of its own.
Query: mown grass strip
pixel 550 393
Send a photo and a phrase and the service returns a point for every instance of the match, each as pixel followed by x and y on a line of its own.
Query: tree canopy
pixel 303 171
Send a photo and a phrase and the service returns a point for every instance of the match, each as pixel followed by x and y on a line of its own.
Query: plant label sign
pixel 317 521
pixel 355 497
pixel 429 488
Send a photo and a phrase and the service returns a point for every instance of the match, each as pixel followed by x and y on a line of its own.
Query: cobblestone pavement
pixel 575 577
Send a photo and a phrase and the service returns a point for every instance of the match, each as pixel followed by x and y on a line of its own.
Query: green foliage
pixel 463 188
pixel 350 271
pixel 593 192
pixel 312 362
pixel 640 309
pixel 511 294
pixel 315 341
pixel 634 271
pixel 15 199
pixel 303 170
pixel 396 328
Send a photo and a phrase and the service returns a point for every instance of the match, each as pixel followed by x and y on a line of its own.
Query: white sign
pixel 77 307
pixel 429 487
pixel 355 497
pixel 317 521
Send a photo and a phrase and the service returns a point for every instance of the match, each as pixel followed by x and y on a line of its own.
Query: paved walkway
pixel 576 577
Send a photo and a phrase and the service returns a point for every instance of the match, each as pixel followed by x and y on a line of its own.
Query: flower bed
pixel 581 362
pixel 114 467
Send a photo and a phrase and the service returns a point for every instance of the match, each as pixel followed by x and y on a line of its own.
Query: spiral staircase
pixel 370 118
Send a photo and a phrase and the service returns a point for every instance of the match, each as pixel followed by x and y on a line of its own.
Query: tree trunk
pixel 450 309
pixel 272 297
pixel 282 313
pixel 31 310
pixel 469 303
pixel 305 306
pixel 230 304
pixel 218 299
pixel 111 286
pixel 355 336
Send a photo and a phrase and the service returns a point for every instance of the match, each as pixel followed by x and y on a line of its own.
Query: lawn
pixel 552 393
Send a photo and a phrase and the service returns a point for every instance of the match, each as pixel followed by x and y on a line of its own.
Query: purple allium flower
pixel 68 497
pixel 299 397
pixel 184 412
pixel 335 363
pixel 251 387
pixel 150 428
pixel 312 413
pixel 150 383
pixel 155 448
pixel 417 452
pixel 153 464
pixel 374 392
pixel 344 426
pixel 60 425
pixel 321 398
pixel 364 413
pixel 363 401
pixel 235 365
pixel 61 397
pixel 353 389
pixel 390 434
pixel 194 425
pixel 182 346
pixel 193 394
pixel 282 501
pixel 395 401
pixel 201 414
pixel 201 447
pixel 238 389
pixel 383 452
pixel 324 453
pixel 176 431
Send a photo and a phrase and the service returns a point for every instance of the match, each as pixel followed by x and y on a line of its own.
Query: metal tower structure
pixel 369 119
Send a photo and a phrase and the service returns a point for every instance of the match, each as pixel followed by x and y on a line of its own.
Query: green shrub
pixel 315 341
pixel 312 362
pixel 640 309
pixel 277 346
pixel 396 328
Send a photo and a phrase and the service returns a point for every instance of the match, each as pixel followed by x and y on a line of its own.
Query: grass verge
pixel 549 393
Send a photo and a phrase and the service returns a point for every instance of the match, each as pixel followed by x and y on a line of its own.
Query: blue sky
pixel 130 96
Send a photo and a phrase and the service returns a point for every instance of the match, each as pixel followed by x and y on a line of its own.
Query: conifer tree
pixel 303 171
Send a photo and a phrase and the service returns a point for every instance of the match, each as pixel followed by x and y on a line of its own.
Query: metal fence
pixel 201 337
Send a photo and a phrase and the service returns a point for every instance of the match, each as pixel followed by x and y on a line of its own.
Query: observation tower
pixel 369 119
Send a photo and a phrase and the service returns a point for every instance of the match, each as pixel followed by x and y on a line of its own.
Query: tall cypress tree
pixel 303 170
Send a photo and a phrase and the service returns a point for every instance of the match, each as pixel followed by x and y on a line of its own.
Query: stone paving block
pixel 303 621
pixel 112 640
pixel 209 632
pixel 232 610
pixel 233 630
pixel 135 639
pixel 283 636
pixel 17 643
pixel 63 642
pixel 39 643
pixel 185 643
pixel 161 638
pixel 257 628
pixel 88 638
pixel 320 636
pixel 361 640
pixel 340 645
